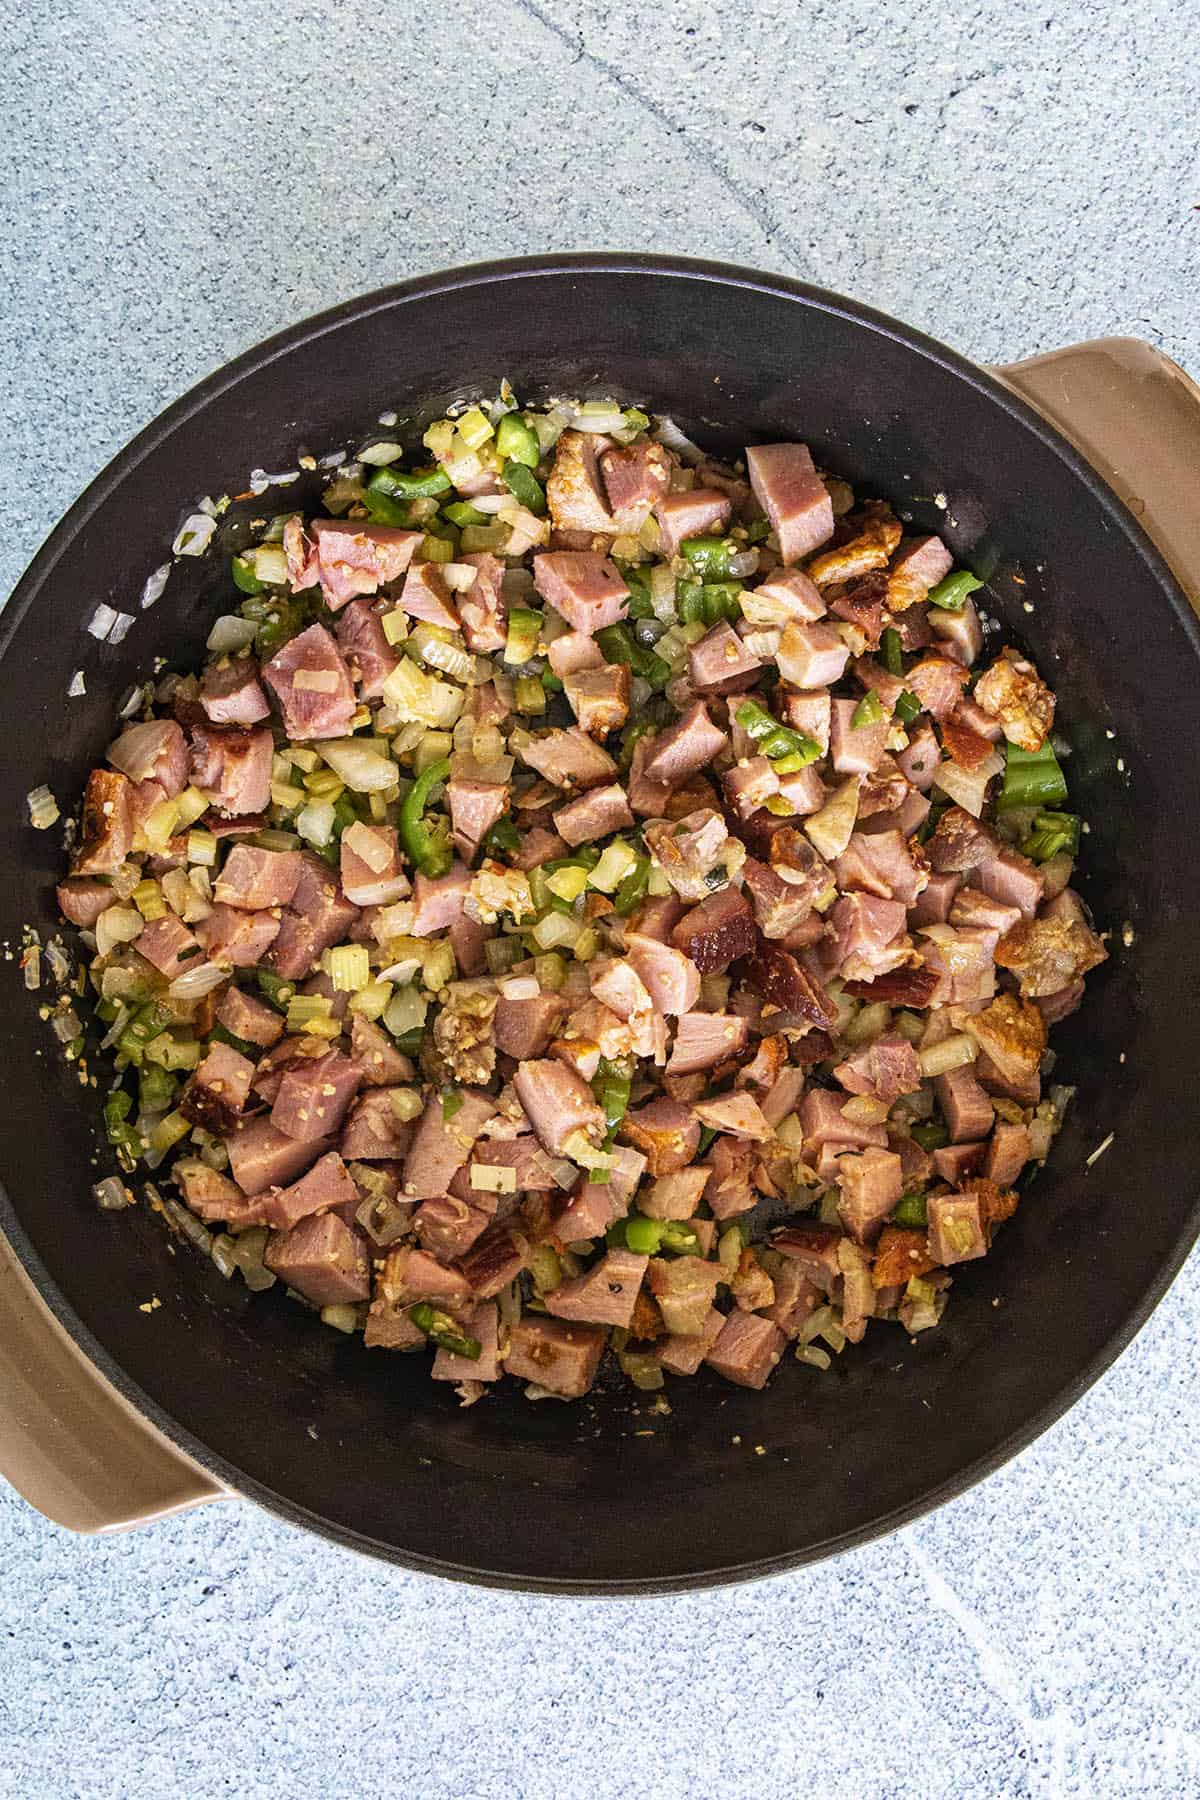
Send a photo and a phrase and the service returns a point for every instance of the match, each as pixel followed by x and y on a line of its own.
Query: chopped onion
pixel 379 455
pixel 316 681
pixel 260 481
pixel 336 458
pixel 111 1195
pixel 520 987
pixel 231 633
pixel 102 621
pixel 491 503
pixel 364 770
pixel 459 577
pixel 744 563
pixel 194 535
pixel 193 984
pixel 952 1053
pixel 43 808
pixel 155 584
pixel 78 686
pixel 968 786
pixel 667 432
pixel 117 925
pixel 606 422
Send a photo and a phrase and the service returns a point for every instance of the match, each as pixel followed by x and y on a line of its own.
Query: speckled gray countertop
pixel 180 181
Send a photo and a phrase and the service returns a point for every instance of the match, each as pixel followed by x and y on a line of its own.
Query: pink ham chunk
pixel 569 759
pixel 599 698
pixel 696 513
pixel 956 1228
pixel 575 492
pixel 688 745
pixel 717 931
pixel 593 815
pixel 216 1092
pixel 956 1162
pixel 262 1157
pixel 1007 1153
pixel 671 979
pixel 254 879
pixel 870 936
pixel 523 1028
pixel 665 1132
pixel 795 594
pixel 966 1109
pixel 918 565
pixel 246 1017
pixel 475 806
pixel 855 749
pixel 937 683
pixel 883 1070
pixel 702 1040
pixel 483 608
pixel 368 655
pixel 747 1350
pixel 779 906
pixel 314 1096
pixel 932 905
pixel 211 1195
pixel 720 663
pixel 880 863
pixel 373 1132
pixel 484 1326
pixel 730 1190
pixel 106 824
pixel 374 1051
pixel 559 1356
pixel 635 477
pixel 870 1186
pixel 793 496
pixel 574 652
pixel 319 916
pixel 369 858
pixel 811 656
pixel 322 1259
pixel 169 945
pixel 960 635
pixel 823 1121
pixel 964 966
pixel 448 1227
pixel 737 1114
pixel 232 768
pixel 558 1103
pixel 617 985
pixel 599 1204
pixel 605 1295
pixel 311 681
pixel 426 596
pixel 750 784
pixel 153 751
pixel 231 693
pixel 814 1250
pixel 410 1276
pixel 82 900
pixel 585 588
pixel 1011 879
pixel 354 558
pixel 675 1196
pixel 438 904
pixel 238 938
pixel 681 1353
pixel 796 1299
pixel 441 1146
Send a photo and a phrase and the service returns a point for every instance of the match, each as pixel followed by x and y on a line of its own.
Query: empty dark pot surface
pixel 609 1495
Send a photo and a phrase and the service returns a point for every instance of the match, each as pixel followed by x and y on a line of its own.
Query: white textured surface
pixel 180 181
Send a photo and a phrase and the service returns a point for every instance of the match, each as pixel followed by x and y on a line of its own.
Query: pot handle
pixel 1135 416
pixel 69 1442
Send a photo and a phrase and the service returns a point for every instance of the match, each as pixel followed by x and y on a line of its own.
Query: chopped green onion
pixel 525 487
pixel 869 711
pixel 444 1331
pixel 893 653
pixel 610 1085
pixel 931 1137
pixel 631 890
pixel 461 512
pixel 910 1210
pixel 503 836
pixel 156 1087
pixel 618 645
pixel 707 1134
pixel 952 593
pixel 1031 778
pixel 452 1102
pixel 277 990
pixel 147 1023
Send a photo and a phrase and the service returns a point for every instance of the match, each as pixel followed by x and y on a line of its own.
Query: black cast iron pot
pixel 111 1413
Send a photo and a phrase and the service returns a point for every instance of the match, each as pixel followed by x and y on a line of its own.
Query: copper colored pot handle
pixel 69 1443
pixel 79 1452
pixel 1135 416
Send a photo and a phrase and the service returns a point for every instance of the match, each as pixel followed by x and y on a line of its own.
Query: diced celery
pixel 349 968
pixel 474 428
pixel 568 883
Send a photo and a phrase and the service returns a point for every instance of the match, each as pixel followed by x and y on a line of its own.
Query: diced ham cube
pixel 246 1017
pixel 855 750
pixel 883 1070
pixel 483 608
pixel 572 652
pixel 881 863
pixel 216 1092
pixel 793 496
pixel 870 936
pixel 575 491
pixel 870 1186
pixel 605 1295
pixel 964 966
pixel 814 1250
pixel 960 843
pixel 153 751
pixel 558 1103
pixel 169 945
pixel 671 979
pixel 425 596
pixel 523 1028
pixel 675 1196
pixel 438 904
pixel 795 593
pixel 1007 1153
pixel 475 806
pixel 599 698
pixel 635 477
pixel 315 1096
pixel 362 641
pixel 738 1114
pixel 559 1356
pixel 730 1191
pixel 1011 879
pixel 411 1276
pixel 375 1055
pixel 695 853
pixel 231 693
pixel 956 1162
pixel 484 1326
pixel 211 1195
pixel 965 1107
pixel 716 932
pixel 585 588
pixel 372 1130
pixel 971 907
pixel 232 768
pixel 355 558
pixel 796 1299
pixel 937 683
pixel 750 784
pixel 682 1353
pixel 918 565
pixel 322 1259
pixel 370 865
pixel 440 1146
pixel 312 683
pixel 960 635
pixel 956 1228
pixel 593 815
pixel 702 1040
pixel 690 744
pixel 666 1133
pixel 823 1121
pixel 933 903
pixel 697 513
pixel 239 938
pixel 747 1350
pixel 811 656
pixel 262 1157
pixel 255 879
pixel 447 1227
pixel 720 663
pixel 81 899
pixel 569 759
